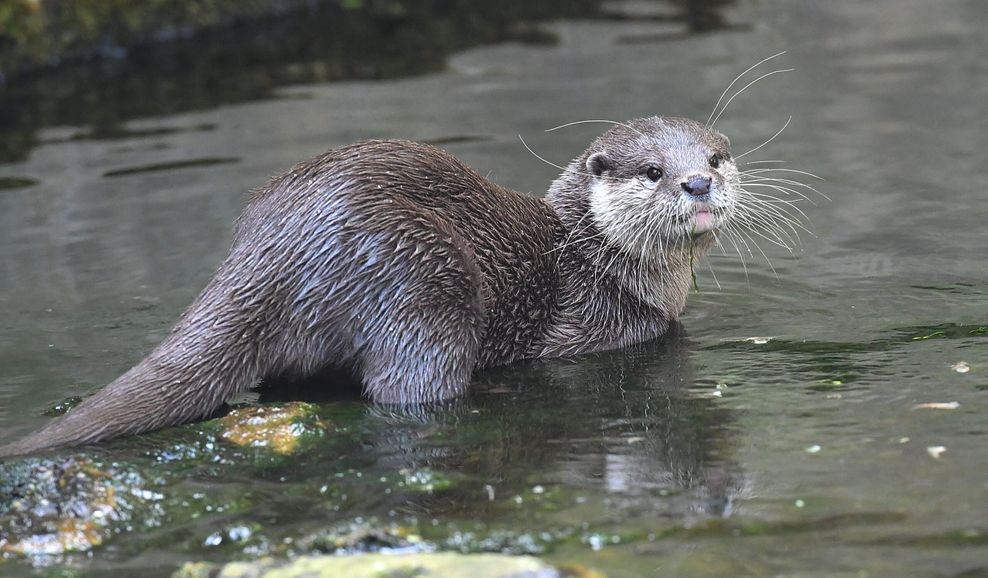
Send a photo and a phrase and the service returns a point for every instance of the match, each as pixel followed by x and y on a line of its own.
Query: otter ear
pixel 598 163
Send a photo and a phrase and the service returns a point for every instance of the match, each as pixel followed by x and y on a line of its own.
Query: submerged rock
pixel 367 536
pixel 437 565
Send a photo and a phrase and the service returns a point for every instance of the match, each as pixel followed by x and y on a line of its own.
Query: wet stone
pixel 51 508
pixel 63 406
pixel 366 537
pixel 377 565
pixel 281 428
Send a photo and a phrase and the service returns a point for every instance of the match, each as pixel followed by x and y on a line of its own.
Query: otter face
pixel 658 182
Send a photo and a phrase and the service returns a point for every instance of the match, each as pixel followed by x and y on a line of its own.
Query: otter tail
pixel 203 362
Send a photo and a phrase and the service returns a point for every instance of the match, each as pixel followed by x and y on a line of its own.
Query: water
pixel 802 452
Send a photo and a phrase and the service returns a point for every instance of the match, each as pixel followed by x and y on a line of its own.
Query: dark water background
pixel 709 454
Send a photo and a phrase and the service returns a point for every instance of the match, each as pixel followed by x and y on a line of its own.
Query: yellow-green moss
pixel 279 428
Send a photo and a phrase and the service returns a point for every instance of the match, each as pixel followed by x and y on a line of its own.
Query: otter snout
pixel 696 185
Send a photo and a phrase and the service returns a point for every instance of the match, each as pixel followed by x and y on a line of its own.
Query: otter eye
pixel 653 173
pixel 715 160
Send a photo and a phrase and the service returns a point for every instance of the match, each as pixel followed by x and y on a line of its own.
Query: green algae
pixel 696 287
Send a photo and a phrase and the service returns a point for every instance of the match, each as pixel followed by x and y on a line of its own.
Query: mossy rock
pixel 280 428
pixel 50 507
pixel 434 565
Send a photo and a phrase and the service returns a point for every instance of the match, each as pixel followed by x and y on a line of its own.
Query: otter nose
pixel 696 185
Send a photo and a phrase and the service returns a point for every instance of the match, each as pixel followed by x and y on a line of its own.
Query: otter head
pixel 660 183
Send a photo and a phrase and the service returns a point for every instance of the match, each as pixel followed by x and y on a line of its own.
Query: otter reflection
pixel 622 424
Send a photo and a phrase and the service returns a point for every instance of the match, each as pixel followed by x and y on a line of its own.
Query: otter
pixel 398 263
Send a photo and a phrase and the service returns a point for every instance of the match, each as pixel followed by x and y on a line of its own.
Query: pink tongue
pixel 703 220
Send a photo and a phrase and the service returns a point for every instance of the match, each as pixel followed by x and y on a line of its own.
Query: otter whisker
pixel 767 260
pixel 642 229
pixel 660 237
pixel 606 268
pixel 778 169
pixel 784 197
pixel 791 182
pixel 560 167
pixel 640 266
pixel 775 239
pixel 777 242
pixel 776 221
pixel 772 219
pixel 776 229
pixel 635 268
pixel 770 177
pixel 744 240
pixel 783 205
pixel 598 255
pixel 723 250
pixel 785 230
pixel 748 177
pixel 744 266
pixel 655 228
pixel 774 236
pixel 761 162
pixel 774 202
pixel 710 267
pixel 773 137
pixel 775 224
pixel 738 93
pixel 736 79
pixel 595 120
pixel 785 194
pixel 543 159
pixel 745 243
pixel 570 236
pixel 603 272
pixel 769 183
pixel 654 236
pixel 576 241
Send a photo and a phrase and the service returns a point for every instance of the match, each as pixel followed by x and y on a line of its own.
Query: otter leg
pixel 420 341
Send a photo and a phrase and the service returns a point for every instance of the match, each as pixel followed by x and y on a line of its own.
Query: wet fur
pixel 397 262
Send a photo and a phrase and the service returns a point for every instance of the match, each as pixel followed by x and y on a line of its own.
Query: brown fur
pixel 396 261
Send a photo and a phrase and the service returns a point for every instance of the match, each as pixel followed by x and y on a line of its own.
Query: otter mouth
pixel 703 221
pixel 704 218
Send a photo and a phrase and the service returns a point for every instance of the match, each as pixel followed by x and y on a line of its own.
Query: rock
pixel 280 428
pixel 433 565
pixel 71 505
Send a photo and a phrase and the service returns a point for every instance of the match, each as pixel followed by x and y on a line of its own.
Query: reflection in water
pixel 320 44
pixel 622 423
pixel 243 63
